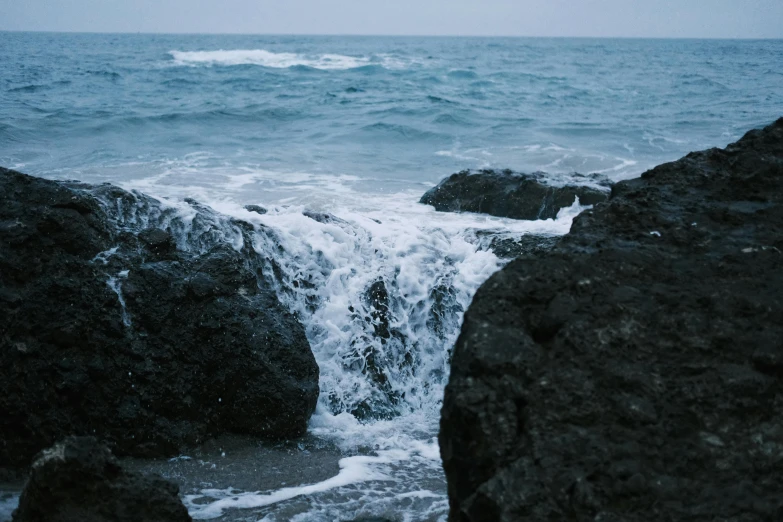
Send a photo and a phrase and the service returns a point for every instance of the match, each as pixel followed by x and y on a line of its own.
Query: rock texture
pixel 511 194
pixel 78 480
pixel 148 326
pixel 634 372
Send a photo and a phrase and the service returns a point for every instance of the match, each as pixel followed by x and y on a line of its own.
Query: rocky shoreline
pixel 630 370
pixel 515 195
pixel 633 372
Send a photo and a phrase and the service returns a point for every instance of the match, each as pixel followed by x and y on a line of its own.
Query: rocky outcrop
pixel 512 194
pixel 635 371
pixel 148 326
pixel 506 247
pixel 79 480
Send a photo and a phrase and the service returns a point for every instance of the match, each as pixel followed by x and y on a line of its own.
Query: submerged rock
pixel 79 480
pixel 256 208
pixel 120 319
pixel 511 194
pixel 633 372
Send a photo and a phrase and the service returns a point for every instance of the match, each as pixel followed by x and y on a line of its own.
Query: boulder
pixel 634 372
pixel 148 326
pixel 256 208
pixel 506 247
pixel 79 480
pixel 512 194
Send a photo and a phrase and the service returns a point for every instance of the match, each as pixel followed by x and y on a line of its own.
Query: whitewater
pixel 337 138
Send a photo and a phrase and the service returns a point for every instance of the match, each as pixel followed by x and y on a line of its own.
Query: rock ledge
pixel 635 371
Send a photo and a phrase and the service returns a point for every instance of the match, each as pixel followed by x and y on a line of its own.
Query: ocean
pixel 360 128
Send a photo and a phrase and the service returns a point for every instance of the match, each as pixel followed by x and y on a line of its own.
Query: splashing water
pixel 381 284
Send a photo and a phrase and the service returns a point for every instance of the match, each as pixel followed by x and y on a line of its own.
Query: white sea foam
pixel 352 470
pixel 546 157
pixel 116 285
pixel 266 58
pixel 430 263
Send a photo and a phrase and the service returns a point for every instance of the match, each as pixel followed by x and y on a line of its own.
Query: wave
pixel 266 58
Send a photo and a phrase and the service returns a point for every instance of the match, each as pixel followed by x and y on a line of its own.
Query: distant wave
pixel 281 60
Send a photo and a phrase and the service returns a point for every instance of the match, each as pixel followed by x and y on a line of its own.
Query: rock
pixel 322 217
pixel 511 194
pixel 510 248
pixel 371 519
pixel 256 208
pixel 374 354
pixel 632 372
pixel 122 320
pixel 79 480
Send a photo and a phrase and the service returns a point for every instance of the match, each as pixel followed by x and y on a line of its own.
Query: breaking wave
pixel 266 58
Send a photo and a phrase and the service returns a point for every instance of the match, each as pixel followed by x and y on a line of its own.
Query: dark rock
pixel 510 248
pixel 382 404
pixel 107 328
pixel 371 519
pixel 377 299
pixel 511 194
pixel 158 242
pixel 79 480
pixel 633 372
pixel 256 208
pixel 322 217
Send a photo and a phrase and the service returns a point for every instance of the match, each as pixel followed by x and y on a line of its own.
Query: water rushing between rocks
pixel 275 181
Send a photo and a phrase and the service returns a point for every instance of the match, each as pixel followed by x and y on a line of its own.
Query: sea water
pixel 359 128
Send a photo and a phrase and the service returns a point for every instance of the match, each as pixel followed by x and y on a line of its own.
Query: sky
pixel 623 18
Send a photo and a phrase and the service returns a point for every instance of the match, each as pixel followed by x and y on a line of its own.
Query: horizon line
pixel 391 35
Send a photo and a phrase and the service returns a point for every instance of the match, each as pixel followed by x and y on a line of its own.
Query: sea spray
pixel 381 284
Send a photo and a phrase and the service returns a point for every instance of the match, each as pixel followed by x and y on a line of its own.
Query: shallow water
pixel 360 127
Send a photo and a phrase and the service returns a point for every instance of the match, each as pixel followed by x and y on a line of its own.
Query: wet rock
pixel 377 299
pixel 158 242
pixel 79 480
pixel 632 372
pixel 256 208
pixel 511 194
pixel 510 248
pixel 108 329
pixel 322 217
pixel 374 359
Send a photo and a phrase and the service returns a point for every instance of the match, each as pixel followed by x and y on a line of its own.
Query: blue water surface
pixel 383 112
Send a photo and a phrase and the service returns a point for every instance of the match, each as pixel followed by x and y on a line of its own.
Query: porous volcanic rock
pixel 148 326
pixel 512 194
pixel 633 372
pixel 79 480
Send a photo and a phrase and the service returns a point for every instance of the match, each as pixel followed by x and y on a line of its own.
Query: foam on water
pixel 266 58
pixel 380 283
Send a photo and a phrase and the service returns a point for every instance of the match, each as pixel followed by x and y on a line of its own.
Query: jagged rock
pixel 510 248
pixel 322 217
pixel 79 480
pixel 256 208
pixel 633 372
pixel 511 194
pixel 381 405
pixel 109 326
pixel 371 519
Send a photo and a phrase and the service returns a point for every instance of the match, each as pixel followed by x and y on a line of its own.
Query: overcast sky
pixel 642 18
